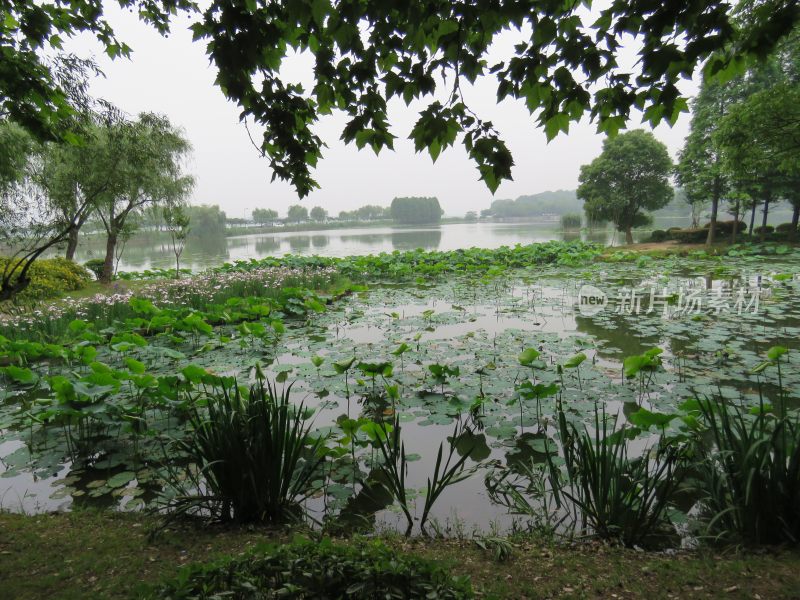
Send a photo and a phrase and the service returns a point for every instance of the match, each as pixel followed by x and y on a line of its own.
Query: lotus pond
pixel 474 362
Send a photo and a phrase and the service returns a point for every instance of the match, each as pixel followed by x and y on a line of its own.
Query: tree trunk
pixel 72 245
pixel 9 289
pixel 752 219
pixel 795 221
pixel 763 234
pixel 712 228
pixel 735 223
pixel 108 264
pixel 628 236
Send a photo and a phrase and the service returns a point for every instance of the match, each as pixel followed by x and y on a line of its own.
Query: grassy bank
pixel 108 555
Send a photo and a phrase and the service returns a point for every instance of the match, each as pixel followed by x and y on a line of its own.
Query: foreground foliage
pixel 750 477
pixel 619 497
pixel 311 569
pixel 254 455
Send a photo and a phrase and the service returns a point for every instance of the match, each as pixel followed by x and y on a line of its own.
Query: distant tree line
pixel 558 202
pixel 297 213
pixel 401 211
pixel 368 212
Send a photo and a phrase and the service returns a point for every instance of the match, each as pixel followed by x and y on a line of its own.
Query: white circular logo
pixel 591 300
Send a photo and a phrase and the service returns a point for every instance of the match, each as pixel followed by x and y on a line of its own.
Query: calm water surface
pixel 146 252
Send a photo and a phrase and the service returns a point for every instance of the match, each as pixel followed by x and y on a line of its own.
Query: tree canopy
pixel 630 176
pixel 263 216
pixel 565 66
pixel 745 137
pixel 297 213
pixel 700 170
pixel 416 210
pixel 150 172
pixel 206 221
pixel 318 214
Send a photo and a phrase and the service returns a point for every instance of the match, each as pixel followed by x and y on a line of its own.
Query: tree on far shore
pixel 297 214
pixel 629 177
pixel 265 216
pixel 318 214
pixel 416 210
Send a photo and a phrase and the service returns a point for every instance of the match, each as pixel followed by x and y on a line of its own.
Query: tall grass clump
pixel 618 497
pixel 749 475
pixel 254 456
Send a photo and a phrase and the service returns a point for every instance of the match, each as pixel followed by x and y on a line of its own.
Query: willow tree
pixel 297 213
pixel 564 67
pixel 17 221
pixel 629 177
pixel 46 192
pixel 150 173
pixel 73 177
pixel 264 216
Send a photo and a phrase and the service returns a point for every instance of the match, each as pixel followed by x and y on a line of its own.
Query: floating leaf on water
pixel 62 493
pixel 121 479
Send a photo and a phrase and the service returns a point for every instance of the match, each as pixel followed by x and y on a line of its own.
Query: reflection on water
pixel 154 251
pixel 411 240
pixel 299 243
pixel 267 245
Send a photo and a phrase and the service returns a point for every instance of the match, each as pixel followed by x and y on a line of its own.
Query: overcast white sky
pixel 172 76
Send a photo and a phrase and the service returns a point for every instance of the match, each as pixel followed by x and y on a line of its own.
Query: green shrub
pixel 51 277
pixel 766 229
pixel 571 221
pixel 658 235
pixel 95 265
pixel 311 569
pixel 784 228
pixel 690 236
pixel 255 456
pixel 727 227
